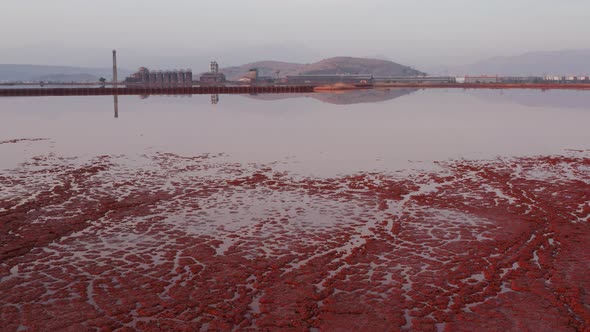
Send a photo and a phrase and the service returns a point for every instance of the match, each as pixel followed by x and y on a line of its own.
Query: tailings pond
pixel 373 210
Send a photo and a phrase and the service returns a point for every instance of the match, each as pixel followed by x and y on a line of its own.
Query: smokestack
pixel 114 68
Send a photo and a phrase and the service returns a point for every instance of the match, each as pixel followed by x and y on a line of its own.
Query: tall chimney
pixel 114 68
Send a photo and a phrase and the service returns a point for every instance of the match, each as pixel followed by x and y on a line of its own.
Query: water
pixel 308 134
pixel 369 210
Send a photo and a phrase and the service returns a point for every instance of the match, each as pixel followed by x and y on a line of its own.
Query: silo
pixel 181 79
pixel 189 77
pixel 166 78
pixel 159 78
pixel 174 77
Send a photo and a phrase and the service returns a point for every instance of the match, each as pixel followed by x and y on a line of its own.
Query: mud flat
pixel 197 243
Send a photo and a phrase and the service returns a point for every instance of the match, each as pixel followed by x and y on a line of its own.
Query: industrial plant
pixel 146 82
pixel 159 78
pixel 213 76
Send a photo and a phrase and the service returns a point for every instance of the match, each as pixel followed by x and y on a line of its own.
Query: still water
pixel 321 134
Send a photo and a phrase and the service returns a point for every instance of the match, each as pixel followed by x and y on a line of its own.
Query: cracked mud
pixel 196 243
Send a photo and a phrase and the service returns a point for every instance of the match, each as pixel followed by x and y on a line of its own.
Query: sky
pixel 191 32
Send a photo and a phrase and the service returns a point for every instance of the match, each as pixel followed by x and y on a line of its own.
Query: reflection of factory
pixel 213 76
pixel 145 77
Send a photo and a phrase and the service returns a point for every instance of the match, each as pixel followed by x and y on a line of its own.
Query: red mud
pixel 196 244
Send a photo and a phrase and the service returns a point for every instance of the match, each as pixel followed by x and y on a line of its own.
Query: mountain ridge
pixel 534 63
pixel 32 72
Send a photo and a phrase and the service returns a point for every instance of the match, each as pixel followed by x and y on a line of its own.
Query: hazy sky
pixel 416 32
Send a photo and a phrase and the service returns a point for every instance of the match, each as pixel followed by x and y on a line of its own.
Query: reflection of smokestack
pixel 116 102
pixel 114 68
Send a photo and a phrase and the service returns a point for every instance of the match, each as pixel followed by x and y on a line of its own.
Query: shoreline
pixel 269 89
pixel 493 86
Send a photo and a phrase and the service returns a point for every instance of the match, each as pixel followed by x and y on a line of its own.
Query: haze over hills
pixel 565 62
pixel 17 72
pixel 330 66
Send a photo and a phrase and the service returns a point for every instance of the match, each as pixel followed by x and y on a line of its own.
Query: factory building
pixel 416 79
pixel 213 76
pixel 520 79
pixel 214 67
pixel 329 79
pixel 481 79
pixel 145 77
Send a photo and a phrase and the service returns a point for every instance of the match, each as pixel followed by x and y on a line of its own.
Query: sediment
pixel 190 243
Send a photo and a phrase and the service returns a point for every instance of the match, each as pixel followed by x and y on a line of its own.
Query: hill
pixel 331 66
pixel 567 62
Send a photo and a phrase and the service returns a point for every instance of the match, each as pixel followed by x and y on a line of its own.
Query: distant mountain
pixel 83 77
pixel 331 66
pixel 10 72
pixel 567 62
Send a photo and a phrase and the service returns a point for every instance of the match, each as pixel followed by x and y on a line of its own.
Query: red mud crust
pixel 193 243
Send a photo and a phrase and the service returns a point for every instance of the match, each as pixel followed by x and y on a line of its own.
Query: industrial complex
pixel 160 78
pixel 153 81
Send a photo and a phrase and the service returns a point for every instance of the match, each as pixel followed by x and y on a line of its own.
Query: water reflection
pixel 116 104
pixel 343 97
pixel 301 133
pixel 533 98
pixel 214 99
pixel 336 98
pixel 362 96
pixel 574 99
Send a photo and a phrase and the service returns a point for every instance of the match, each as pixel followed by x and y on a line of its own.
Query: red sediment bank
pixel 342 86
pixel 535 86
pixel 190 243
